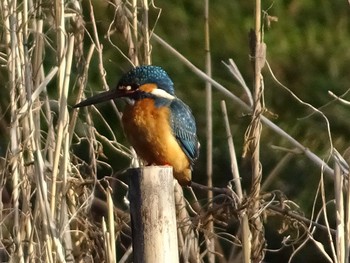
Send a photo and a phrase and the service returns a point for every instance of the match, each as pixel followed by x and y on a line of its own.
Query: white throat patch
pixel 162 94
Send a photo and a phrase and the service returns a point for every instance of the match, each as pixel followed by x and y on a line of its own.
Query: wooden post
pixel 153 218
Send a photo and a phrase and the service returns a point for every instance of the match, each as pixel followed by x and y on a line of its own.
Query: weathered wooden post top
pixel 153 215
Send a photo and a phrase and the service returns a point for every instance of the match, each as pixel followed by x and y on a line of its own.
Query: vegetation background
pixel 307 50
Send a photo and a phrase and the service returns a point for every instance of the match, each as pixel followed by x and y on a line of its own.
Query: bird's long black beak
pixel 101 97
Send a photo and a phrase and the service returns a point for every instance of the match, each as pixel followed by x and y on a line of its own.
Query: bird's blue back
pixel 184 128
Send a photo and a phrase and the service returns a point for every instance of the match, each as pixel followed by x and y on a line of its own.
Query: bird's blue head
pixel 139 82
pixel 142 75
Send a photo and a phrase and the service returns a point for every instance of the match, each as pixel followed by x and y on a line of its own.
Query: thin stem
pixel 209 128
pixel 252 143
pixel 246 245
pixel 145 27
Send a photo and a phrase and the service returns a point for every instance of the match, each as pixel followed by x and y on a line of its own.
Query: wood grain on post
pixel 153 218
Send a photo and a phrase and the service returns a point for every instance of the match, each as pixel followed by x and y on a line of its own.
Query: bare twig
pixel 232 67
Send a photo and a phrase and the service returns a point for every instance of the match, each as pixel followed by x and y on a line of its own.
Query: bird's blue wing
pixel 184 128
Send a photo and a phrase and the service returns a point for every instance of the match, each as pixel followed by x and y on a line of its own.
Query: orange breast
pixel 149 132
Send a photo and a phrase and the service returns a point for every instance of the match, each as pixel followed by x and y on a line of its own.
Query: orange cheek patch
pixel 148 87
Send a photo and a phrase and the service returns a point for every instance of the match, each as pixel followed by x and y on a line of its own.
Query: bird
pixel 160 127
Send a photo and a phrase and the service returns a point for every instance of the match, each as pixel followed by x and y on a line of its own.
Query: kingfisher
pixel 159 125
